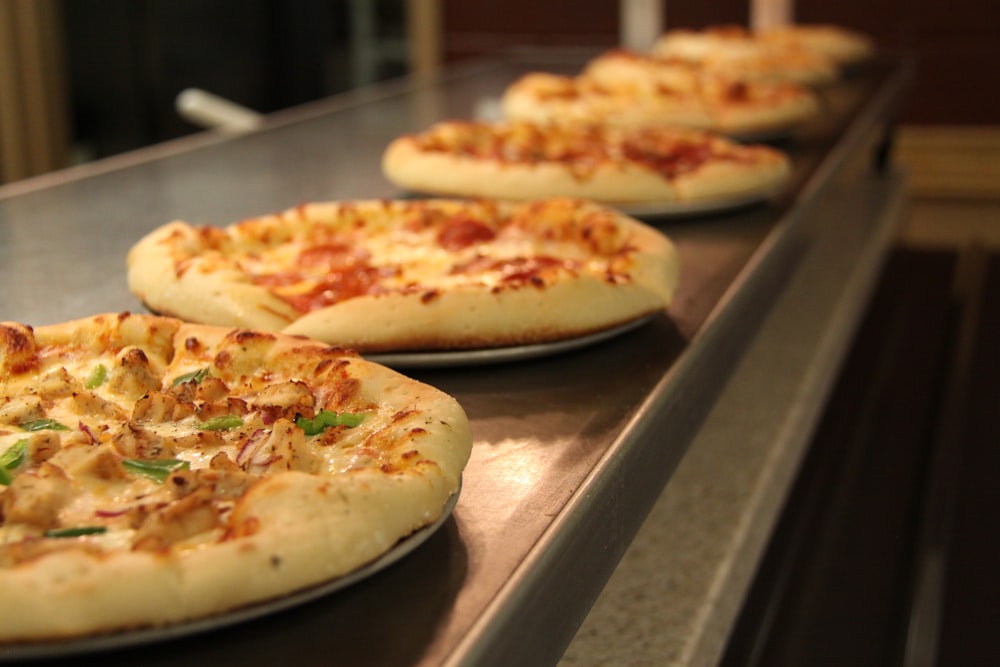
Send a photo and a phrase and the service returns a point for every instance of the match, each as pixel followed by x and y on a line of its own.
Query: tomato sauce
pixel 682 158
pixel 461 232
pixel 343 271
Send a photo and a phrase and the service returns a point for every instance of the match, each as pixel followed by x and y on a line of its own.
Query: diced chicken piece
pixel 229 406
pixel 286 400
pixel 183 392
pixel 221 461
pixel 36 496
pixel 190 516
pixel 134 442
pixel 19 409
pixel 293 393
pixel 57 383
pixel 17 349
pixel 224 483
pixel 90 403
pixel 282 447
pixel 42 445
pixel 242 353
pixel 133 375
pixel 86 460
pixel 158 407
pixel 211 389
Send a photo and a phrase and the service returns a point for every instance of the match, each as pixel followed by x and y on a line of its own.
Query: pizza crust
pixel 73 593
pixel 291 530
pixel 202 287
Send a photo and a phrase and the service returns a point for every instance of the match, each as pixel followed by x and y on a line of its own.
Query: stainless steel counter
pixel 571 451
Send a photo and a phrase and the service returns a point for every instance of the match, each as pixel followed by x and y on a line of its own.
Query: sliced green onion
pixel 43 425
pixel 194 376
pixel 96 377
pixel 221 423
pixel 76 532
pixel 11 459
pixel 14 456
pixel 326 418
pixel 155 469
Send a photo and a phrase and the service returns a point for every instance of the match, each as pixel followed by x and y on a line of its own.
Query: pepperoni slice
pixel 461 232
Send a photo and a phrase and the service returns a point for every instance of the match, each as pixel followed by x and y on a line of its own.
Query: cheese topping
pixel 704 91
pixel 670 152
pixel 610 94
pixel 336 252
pixel 120 437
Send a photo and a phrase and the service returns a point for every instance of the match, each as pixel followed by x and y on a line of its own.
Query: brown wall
pixel 955 44
pixel 476 28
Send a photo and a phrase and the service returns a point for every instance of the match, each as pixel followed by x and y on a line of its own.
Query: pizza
pixel 412 275
pixel 729 41
pixel 805 53
pixel 844 46
pixel 737 56
pixel 708 102
pixel 613 165
pixel 154 472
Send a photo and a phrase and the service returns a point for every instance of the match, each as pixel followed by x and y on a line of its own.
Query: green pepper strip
pixel 11 459
pixel 96 377
pixel 221 423
pixel 155 469
pixel 194 376
pixel 43 425
pixel 325 418
pixel 76 532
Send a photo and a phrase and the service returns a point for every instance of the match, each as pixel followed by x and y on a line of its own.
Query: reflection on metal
pixel 210 111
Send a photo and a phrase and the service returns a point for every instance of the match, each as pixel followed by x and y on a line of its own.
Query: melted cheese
pixel 666 151
pixel 404 250
pixel 75 477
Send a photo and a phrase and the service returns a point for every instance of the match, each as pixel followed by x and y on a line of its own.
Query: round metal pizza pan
pixel 498 355
pixel 696 207
pixel 71 647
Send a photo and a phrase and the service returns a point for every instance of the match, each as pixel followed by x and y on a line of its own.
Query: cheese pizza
pixel 807 53
pixel 613 165
pixel 844 46
pixel 156 472
pixel 410 275
pixel 709 102
pixel 672 58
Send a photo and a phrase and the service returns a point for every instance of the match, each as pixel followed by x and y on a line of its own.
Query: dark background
pixel 128 59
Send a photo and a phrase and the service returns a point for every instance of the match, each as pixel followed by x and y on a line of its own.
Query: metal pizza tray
pixel 501 355
pixel 696 208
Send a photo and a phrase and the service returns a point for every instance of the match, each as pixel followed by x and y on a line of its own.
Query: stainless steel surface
pixel 570 451
pixel 674 597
